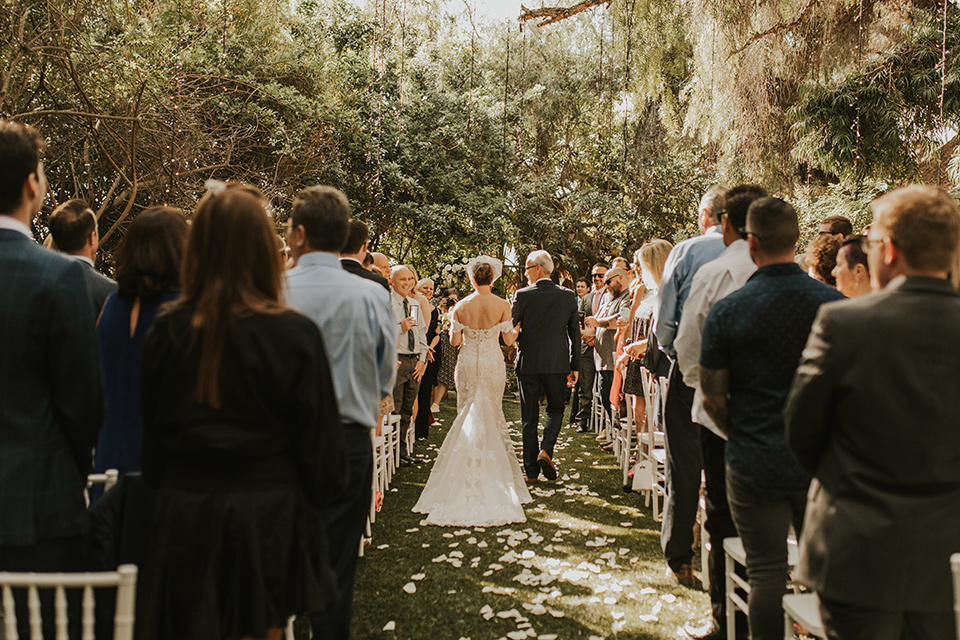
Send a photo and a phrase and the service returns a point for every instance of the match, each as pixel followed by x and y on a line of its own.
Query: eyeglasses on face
pixel 597 275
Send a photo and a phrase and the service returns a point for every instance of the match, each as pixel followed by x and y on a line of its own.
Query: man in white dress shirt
pixel 411 349
pixel 713 281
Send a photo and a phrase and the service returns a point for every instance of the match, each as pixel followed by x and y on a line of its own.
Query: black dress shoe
pixel 704 629
pixel 581 430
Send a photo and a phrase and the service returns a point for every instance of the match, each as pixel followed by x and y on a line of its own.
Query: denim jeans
pixel 763 520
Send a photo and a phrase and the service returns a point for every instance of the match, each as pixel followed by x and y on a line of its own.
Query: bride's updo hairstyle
pixel 483 274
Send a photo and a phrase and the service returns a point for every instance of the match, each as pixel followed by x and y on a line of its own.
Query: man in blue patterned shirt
pixel 752 342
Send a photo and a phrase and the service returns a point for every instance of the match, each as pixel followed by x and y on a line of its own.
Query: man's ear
pixel 891 254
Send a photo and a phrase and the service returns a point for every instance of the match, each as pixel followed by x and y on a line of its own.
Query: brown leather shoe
pixel 547 466
pixel 682 576
pixel 531 480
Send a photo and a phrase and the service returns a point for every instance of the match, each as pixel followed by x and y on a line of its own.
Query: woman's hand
pixel 636 350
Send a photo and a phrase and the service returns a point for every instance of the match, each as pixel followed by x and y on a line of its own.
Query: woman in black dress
pixel 241 435
pixel 424 412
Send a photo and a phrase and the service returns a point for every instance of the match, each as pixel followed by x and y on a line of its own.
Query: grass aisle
pixel 586 563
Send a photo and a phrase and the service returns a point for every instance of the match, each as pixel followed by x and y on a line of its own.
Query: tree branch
pixel 550 15
pixel 777 28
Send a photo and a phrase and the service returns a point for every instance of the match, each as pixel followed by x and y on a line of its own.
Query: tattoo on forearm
pixel 715 385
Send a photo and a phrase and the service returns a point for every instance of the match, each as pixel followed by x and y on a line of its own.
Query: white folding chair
pixel 955 567
pixel 108 479
pixel 624 445
pixel 804 609
pixel 410 437
pixel 737 587
pixel 649 474
pixel 124 579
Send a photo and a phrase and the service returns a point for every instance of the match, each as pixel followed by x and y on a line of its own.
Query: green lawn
pixel 586 564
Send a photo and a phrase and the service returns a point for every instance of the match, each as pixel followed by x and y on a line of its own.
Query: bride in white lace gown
pixel 476 479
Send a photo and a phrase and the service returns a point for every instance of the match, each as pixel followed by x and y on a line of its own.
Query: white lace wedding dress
pixel 476 479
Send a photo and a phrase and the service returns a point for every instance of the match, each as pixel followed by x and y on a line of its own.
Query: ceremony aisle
pixel 586 564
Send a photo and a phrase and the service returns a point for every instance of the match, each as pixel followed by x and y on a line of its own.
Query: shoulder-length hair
pixel 149 256
pixel 230 268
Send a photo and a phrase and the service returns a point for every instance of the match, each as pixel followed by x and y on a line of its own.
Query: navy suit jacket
pixel 354 267
pixel 99 285
pixel 549 325
pixel 51 392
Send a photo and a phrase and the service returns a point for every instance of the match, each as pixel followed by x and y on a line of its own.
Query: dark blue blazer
pixel 51 393
pixel 547 315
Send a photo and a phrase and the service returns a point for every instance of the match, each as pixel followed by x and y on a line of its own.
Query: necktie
pixel 411 340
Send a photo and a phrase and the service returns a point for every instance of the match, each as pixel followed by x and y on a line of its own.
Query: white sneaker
pixel 434 408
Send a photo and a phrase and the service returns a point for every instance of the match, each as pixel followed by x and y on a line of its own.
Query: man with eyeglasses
pixel 587 307
pixel 604 322
pixel 874 416
pixel 682 436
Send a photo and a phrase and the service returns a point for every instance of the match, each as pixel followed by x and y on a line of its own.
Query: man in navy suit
pixel 51 394
pixel 73 226
pixel 546 362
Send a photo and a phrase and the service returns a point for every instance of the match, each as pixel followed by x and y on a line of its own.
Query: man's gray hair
pixel 394 270
pixel 541 258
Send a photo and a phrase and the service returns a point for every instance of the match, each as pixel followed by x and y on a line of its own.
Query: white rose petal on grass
pixel 626 524
pixel 410 587
pixel 390 626
pixel 656 608
pixel 512 613
pixel 414 530
pixel 556 613
pixel 517 635
pixel 668 597
pixel 418 576
pixel 645 617
pixel 547 636
pixel 382 546
pixel 647 591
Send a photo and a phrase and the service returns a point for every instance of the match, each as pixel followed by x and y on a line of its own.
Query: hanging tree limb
pixel 777 28
pixel 550 15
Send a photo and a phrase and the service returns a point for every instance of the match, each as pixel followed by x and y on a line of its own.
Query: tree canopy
pixel 587 130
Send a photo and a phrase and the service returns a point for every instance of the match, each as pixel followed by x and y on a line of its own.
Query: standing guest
pixel 50 382
pixel 822 258
pixel 620 263
pixel 582 287
pixel 713 282
pixel 587 374
pixel 73 226
pixel 355 253
pixel 411 349
pixel 648 263
pixel 447 357
pixel 359 334
pixel 836 226
pixel 874 416
pixel 382 265
pixel 852 271
pixel 752 341
pixel 547 360
pixel 605 322
pixel 148 274
pixel 424 411
pixel 241 436
pixel 681 435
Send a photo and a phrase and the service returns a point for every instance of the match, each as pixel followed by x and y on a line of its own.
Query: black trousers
pixel 532 386
pixel 606 386
pixel 345 520
pixel 719 519
pixel 683 465
pixel 845 621
pixel 587 376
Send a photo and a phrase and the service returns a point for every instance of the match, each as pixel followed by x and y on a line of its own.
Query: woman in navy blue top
pixel 148 276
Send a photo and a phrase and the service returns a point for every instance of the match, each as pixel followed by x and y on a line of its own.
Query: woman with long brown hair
pixel 241 437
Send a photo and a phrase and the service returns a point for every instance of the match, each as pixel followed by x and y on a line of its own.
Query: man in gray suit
pixel 74 228
pixel 874 415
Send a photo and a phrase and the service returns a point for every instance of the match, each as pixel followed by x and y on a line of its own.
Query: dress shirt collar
pixel 715 230
pixel 925 284
pixel 319 258
pixel 11 223
pixel 84 259
pixel 544 279
pixel 342 258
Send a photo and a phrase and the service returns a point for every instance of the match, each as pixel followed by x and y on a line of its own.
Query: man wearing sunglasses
pixel 588 306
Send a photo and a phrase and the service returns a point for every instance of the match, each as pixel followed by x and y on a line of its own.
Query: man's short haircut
pixel 599 265
pixel 626 263
pixel 396 269
pixel 357 234
pixel 543 259
pixel 713 201
pixel 838 224
pixel 774 224
pixel 738 201
pixel 324 214
pixel 71 224
pixel 923 223
pixel 20 147
pixel 584 280
pixel 852 250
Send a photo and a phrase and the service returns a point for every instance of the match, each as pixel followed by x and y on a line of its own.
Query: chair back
pixel 124 579
pixel 955 566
